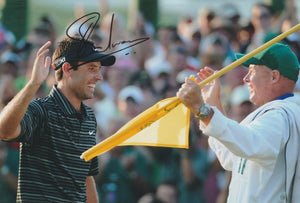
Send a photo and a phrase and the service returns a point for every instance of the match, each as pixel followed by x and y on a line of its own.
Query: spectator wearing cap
pixel 214 51
pixel 114 80
pixel 10 63
pixel 130 101
pixel 224 26
pixel 240 104
pixel 230 81
pixel 9 71
pixel 55 130
pixel 230 12
pixel 160 79
pixel 177 57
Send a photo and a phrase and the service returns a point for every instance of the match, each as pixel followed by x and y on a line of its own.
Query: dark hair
pixel 71 49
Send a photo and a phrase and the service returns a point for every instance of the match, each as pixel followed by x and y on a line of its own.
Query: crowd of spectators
pixel 143 75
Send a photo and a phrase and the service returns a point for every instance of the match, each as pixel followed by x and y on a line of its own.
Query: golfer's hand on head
pixel 41 65
pixel 210 91
pixel 190 95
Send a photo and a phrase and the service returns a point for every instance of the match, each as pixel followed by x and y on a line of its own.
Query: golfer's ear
pixel 66 68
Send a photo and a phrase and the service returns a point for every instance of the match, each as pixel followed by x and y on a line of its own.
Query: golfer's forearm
pixel 12 114
pixel 91 191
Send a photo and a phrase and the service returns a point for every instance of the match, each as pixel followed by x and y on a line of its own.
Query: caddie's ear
pixel 275 75
pixel 66 68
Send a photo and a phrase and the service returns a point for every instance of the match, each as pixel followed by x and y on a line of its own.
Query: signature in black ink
pixel 92 25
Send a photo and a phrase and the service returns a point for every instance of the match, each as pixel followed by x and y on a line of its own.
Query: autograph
pixel 92 25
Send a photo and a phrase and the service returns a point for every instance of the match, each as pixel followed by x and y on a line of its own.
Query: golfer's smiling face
pixel 84 79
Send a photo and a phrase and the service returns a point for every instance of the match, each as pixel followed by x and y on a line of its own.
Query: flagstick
pixel 156 113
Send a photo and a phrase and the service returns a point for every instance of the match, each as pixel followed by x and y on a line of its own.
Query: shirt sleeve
pixel 94 167
pixel 259 140
pixel 32 122
pixel 225 157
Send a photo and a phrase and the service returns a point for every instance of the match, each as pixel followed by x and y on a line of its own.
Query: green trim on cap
pixel 277 57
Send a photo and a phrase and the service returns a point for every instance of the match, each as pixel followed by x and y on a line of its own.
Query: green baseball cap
pixel 277 57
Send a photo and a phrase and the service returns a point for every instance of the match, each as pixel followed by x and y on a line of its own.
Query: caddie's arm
pixel 12 114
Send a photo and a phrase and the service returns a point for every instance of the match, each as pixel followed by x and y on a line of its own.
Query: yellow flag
pixel 164 124
pixel 169 131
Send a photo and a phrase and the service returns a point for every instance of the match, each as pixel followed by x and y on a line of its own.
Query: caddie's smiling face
pixel 258 79
pixel 84 80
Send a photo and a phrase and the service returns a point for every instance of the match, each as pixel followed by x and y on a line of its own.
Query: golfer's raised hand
pixel 41 65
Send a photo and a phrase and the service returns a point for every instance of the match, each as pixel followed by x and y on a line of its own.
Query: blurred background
pixel 22 15
pixel 184 36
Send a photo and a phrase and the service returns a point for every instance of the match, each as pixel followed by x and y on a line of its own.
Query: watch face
pixel 204 111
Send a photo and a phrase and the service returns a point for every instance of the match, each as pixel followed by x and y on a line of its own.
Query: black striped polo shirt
pixel 53 136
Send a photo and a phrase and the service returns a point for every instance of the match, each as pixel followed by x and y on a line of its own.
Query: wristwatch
pixel 204 111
